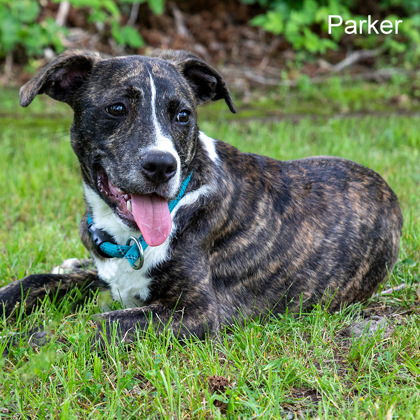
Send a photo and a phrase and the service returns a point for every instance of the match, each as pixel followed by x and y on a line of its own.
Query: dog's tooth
pixel 126 197
pixel 129 207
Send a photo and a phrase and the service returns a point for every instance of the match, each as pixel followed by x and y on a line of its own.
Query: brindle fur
pixel 270 234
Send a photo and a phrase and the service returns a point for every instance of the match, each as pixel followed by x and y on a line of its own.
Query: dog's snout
pixel 158 167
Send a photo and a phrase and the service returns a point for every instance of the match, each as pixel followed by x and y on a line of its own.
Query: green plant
pixel 23 26
pixel 304 24
pixel 107 12
pixel 19 27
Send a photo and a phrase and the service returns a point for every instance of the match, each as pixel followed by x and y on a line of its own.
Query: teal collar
pixel 133 250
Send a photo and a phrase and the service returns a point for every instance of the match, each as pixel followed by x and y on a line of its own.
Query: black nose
pixel 158 167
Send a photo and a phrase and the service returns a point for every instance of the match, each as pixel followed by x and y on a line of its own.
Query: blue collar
pixel 133 253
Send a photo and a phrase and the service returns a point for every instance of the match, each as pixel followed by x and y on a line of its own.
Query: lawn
pixel 294 366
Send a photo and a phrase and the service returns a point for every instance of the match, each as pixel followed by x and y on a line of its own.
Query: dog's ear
pixel 61 78
pixel 205 81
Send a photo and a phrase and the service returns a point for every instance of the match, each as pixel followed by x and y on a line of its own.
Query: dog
pixel 187 231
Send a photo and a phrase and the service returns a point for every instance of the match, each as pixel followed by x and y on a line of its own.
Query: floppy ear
pixel 61 78
pixel 205 81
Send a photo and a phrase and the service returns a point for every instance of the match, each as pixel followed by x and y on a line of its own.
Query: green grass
pixel 299 365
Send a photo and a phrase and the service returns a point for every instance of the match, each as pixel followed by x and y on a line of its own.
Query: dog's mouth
pixel 149 212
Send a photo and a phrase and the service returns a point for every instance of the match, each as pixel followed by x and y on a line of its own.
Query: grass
pixel 294 366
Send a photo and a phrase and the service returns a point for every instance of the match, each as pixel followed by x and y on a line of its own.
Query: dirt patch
pixel 218 385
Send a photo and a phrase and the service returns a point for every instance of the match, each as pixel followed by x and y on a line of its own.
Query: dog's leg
pixel 73 264
pixel 184 322
pixel 33 289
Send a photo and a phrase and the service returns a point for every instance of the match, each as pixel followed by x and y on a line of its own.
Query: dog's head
pixel 135 126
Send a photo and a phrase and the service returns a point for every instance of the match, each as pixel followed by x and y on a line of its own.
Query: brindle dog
pixel 250 235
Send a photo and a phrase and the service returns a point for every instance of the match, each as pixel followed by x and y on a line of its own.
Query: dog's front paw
pixel 71 265
pixel 105 338
pixel 111 332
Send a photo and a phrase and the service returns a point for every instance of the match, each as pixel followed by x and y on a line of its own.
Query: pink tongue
pixel 153 218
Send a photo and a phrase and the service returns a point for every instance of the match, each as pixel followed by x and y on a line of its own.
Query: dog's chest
pixel 130 287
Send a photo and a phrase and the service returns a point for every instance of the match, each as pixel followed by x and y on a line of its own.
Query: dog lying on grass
pixel 187 229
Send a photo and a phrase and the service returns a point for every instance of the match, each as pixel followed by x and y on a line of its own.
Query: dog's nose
pixel 158 167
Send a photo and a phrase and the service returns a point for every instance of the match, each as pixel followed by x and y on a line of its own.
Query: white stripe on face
pixel 163 143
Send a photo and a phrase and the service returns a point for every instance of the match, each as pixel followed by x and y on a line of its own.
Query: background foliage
pixel 22 24
pixel 303 24
pixel 20 27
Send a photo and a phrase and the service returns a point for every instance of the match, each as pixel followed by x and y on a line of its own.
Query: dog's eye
pixel 117 110
pixel 183 117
